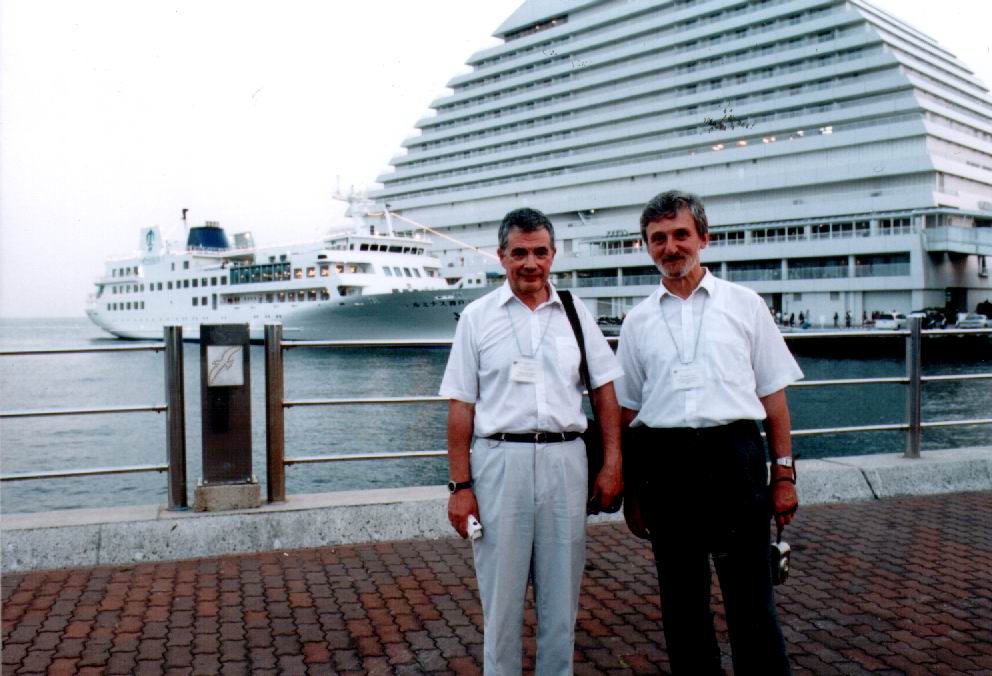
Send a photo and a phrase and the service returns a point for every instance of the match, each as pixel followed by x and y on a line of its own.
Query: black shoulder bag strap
pixel 573 319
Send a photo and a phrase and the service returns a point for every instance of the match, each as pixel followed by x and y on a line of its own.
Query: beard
pixel 685 265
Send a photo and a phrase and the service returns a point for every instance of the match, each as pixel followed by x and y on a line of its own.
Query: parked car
pixel 972 320
pixel 932 319
pixel 890 321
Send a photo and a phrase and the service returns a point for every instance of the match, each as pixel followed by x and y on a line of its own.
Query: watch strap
pixel 455 486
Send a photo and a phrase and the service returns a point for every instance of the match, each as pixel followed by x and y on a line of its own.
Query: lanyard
pixel 516 338
pixel 699 331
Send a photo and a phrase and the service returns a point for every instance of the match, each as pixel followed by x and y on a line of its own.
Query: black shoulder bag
pixel 593 436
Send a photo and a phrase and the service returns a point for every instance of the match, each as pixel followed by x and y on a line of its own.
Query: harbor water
pixel 121 379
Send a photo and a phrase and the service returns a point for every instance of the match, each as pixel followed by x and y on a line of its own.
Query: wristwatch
pixel 455 486
pixel 784 462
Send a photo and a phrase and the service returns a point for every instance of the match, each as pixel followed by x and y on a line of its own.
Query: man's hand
pixel 460 505
pixel 633 516
pixel 784 502
pixel 608 486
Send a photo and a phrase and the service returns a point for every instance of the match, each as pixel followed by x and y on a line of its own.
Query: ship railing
pixel 276 403
pixel 174 409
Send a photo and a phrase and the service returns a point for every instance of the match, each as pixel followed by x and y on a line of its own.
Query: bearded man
pixel 703 361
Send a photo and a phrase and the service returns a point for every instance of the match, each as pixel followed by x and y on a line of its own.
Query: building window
pixel 835 295
pixel 213 281
pixel 185 265
pixel 797 296
pixel 195 300
pixel 223 281
pixel 203 282
pixel 203 301
pixel 169 285
pixel 297 273
pixel 195 283
pixel 324 271
pixel 311 272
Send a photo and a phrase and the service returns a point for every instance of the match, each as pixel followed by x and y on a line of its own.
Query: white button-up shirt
pixel 498 328
pixel 723 329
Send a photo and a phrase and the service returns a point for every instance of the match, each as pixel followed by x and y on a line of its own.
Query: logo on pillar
pixel 224 366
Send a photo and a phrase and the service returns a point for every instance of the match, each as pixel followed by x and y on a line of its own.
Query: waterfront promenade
pixel 897 585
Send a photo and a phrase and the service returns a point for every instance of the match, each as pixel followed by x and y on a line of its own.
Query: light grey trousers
pixel 532 506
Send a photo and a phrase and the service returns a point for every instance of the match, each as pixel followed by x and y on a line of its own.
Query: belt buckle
pixel 537 438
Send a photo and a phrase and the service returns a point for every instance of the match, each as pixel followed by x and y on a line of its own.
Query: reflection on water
pixel 138 378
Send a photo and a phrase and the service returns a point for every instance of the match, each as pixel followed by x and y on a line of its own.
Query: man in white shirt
pixel 703 361
pixel 516 400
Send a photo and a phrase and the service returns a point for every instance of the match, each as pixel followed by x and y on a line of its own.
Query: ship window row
pixel 127 288
pixel 125 272
pixel 133 305
pixel 663 54
pixel 651 80
pixel 397 272
pixel 254 274
pixel 291 296
pixel 391 248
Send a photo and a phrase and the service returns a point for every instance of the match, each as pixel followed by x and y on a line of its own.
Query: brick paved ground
pixel 896 586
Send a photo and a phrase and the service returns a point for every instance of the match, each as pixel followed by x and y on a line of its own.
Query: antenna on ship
pixel 439 233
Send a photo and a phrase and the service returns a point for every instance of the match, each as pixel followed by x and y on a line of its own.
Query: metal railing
pixel 174 409
pixel 276 403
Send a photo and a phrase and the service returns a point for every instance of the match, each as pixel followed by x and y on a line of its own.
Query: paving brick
pixel 891 586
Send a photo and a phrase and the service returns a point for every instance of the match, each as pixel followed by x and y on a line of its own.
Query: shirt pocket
pixel 729 361
pixel 568 356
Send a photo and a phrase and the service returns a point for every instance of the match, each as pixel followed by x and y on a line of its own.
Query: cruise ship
pixel 845 158
pixel 363 283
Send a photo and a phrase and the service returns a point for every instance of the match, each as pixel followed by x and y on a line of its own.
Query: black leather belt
pixel 536 437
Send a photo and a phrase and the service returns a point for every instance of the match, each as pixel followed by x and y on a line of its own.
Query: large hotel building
pixel 845 157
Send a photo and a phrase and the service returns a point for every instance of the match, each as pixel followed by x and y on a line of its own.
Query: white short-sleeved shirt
pixel 723 328
pixel 498 328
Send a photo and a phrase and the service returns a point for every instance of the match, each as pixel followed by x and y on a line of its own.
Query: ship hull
pixel 416 315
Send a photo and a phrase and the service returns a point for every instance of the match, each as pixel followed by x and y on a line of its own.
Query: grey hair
pixel 668 204
pixel 525 220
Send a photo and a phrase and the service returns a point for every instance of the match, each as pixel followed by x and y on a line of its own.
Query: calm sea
pixel 89 380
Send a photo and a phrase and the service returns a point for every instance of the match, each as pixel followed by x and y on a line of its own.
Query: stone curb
pixel 89 537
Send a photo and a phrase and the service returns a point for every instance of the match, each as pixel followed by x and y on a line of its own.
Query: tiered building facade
pixel 845 158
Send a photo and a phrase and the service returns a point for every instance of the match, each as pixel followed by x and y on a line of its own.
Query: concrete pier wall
pixel 89 537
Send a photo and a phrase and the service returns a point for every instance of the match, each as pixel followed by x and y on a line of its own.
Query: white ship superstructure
pixel 845 158
pixel 356 284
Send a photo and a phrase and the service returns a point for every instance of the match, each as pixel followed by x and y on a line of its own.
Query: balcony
pixel 769 275
pixel 954 239
pixel 882 270
pixel 818 272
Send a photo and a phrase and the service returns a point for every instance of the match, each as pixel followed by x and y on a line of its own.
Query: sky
pixel 118 114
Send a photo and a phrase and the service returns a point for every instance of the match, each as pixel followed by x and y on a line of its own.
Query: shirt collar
pixel 707 283
pixel 506 295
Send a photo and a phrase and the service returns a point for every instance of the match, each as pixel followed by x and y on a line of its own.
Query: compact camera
pixel 473 528
pixel 779 560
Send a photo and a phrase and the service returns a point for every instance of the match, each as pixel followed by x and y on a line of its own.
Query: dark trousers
pixel 706 495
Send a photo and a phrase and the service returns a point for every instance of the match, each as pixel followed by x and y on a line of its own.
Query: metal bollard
pixel 914 392
pixel 175 417
pixel 275 439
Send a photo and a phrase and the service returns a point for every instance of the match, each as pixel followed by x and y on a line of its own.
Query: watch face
pixel 451 486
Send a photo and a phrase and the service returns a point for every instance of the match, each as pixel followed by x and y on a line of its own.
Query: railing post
pixel 914 392
pixel 275 439
pixel 175 417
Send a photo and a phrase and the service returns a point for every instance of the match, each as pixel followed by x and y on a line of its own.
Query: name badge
pixel 687 377
pixel 525 370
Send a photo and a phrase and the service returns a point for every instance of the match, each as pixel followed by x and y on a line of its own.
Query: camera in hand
pixel 779 559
